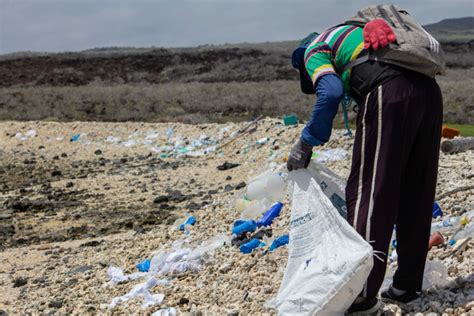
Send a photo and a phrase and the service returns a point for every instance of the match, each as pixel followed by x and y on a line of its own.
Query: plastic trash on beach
pixel 290 120
pixel 335 154
pixel 267 185
pixel 144 265
pixel 244 226
pixel 130 143
pixel 262 141
pixel 437 211
pixel 452 223
pixel 328 261
pixel 240 204
pixel 435 275
pixel 142 289
pixel 112 139
pixel 75 138
pixel 116 275
pixel 270 215
pixel 29 134
pixel 279 242
pixel 251 245
pixel 465 232
pixel 256 209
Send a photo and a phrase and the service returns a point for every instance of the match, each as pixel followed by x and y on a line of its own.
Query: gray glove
pixel 300 156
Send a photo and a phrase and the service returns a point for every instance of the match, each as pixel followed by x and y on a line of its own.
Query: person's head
pixel 297 60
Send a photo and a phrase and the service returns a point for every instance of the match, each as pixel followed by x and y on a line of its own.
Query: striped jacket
pixel 331 50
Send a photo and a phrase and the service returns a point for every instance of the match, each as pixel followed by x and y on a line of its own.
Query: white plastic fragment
pixel 116 275
pixel 330 155
pixel 142 289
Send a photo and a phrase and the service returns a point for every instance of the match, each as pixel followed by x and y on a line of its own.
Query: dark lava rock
pixel 69 185
pixel 3 313
pixel 240 240
pixel 56 173
pixel 161 199
pixel 56 303
pixel 228 188
pixel 261 233
pixel 193 206
pixel 228 178
pixel 177 196
pixel 21 206
pixel 71 282
pixel 211 192
pixel 41 147
pixel 92 243
pixel 19 282
pixel 5 216
pixel 123 160
pixel 98 152
pixel 240 185
pixel 183 301
pixel 64 155
pixel 42 279
pixel 81 269
pixel 227 165
pixel 56 157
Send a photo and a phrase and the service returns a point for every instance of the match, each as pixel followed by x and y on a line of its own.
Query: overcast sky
pixel 71 25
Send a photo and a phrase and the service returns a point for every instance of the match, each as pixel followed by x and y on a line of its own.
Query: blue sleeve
pixel 329 92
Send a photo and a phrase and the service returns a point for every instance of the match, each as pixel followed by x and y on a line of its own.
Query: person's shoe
pixel 364 307
pixel 406 297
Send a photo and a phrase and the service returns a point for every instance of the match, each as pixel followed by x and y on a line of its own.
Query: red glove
pixel 378 34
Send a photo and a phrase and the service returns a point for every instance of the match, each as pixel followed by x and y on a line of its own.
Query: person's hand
pixel 377 34
pixel 300 156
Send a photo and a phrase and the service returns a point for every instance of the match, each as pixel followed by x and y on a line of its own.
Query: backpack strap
pixel 355 62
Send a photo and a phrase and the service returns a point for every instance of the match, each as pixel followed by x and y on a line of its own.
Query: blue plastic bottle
pixel 243 227
pixel 270 215
pixel 143 266
pixel 280 241
pixel 251 245
pixel 437 212
pixel 190 221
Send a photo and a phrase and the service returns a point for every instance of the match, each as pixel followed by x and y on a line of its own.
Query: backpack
pixel 415 49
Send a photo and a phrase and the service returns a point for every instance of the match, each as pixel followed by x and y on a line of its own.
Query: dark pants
pixel 393 175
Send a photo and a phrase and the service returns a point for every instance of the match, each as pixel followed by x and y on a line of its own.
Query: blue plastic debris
pixel 270 215
pixel 190 221
pixel 280 241
pixel 243 227
pixel 251 245
pixel 144 266
pixel 437 211
pixel 75 138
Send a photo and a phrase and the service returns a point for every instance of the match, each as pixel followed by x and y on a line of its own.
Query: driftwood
pixel 241 132
pixel 460 189
pixel 458 144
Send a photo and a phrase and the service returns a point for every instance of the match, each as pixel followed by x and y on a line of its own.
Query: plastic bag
pixel 268 185
pixel 328 260
pixel 435 275
pixel 142 289
pixel 331 184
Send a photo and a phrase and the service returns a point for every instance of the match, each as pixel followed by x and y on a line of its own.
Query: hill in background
pixel 206 83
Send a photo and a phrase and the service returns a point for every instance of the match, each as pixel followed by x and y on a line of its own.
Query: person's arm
pixel 329 92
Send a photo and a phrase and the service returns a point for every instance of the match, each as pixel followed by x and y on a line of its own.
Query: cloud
pixel 69 25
